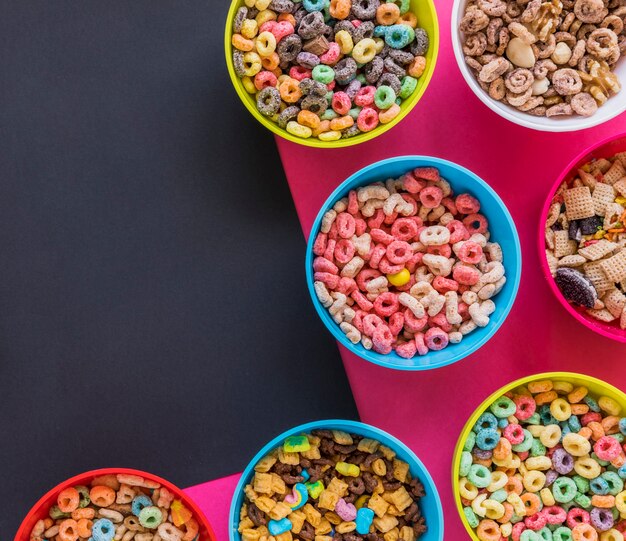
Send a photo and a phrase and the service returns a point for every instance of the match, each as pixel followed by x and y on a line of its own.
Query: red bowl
pixel 604 149
pixel 40 509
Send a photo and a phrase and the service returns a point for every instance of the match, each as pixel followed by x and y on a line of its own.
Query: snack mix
pixel 407 266
pixel 332 486
pixel 546 58
pixel 328 69
pixel 117 508
pixel 546 462
pixel 586 239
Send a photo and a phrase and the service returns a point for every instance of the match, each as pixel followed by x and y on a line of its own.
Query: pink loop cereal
pixel 545 58
pixel 335 60
pixel 533 469
pixel 586 240
pixel 421 275
pixel 117 507
pixel 335 485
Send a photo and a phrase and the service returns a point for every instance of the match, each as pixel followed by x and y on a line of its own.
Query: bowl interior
pixel 596 387
pixel 40 509
pixel 503 231
pixel 604 149
pixel 429 504
pixel 613 107
pixel 427 19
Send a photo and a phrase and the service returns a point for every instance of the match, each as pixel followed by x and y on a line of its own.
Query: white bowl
pixel 613 107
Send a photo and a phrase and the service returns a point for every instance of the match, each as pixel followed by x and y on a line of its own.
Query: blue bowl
pixel 502 230
pixel 430 504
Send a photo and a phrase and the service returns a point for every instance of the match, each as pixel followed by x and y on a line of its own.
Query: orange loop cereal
pixel 270 63
pixel 68 530
pixel 241 43
pixel 409 19
pixel 68 500
pixel 290 91
pixel 340 9
pixel 309 119
pixel 387 14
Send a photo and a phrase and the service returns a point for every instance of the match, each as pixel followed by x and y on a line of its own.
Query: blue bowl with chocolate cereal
pixel 285 488
pixel 500 227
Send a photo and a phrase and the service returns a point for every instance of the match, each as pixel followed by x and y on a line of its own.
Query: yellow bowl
pixel 427 19
pixel 596 388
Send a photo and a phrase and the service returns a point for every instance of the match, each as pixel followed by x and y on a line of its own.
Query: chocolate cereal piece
pixel 589 226
pixel 576 287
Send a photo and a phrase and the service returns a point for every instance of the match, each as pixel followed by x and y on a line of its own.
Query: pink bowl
pixel 604 149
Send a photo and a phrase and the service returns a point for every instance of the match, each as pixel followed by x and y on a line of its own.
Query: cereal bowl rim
pixel 583 156
pixel 356 427
pixel 470 344
pixel 407 106
pixel 595 385
pixel 23 532
pixel 518 117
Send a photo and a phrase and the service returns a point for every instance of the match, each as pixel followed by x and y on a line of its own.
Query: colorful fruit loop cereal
pixel 117 507
pixel 406 266
pixel 546 462
pixel 586 239
pixel 332 486
pixel 328 68
pixel 550 58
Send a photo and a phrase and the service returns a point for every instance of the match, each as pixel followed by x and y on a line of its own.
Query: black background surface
pixel 153 308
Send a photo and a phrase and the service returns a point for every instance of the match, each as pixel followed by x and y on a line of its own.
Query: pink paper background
pixel 427 410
